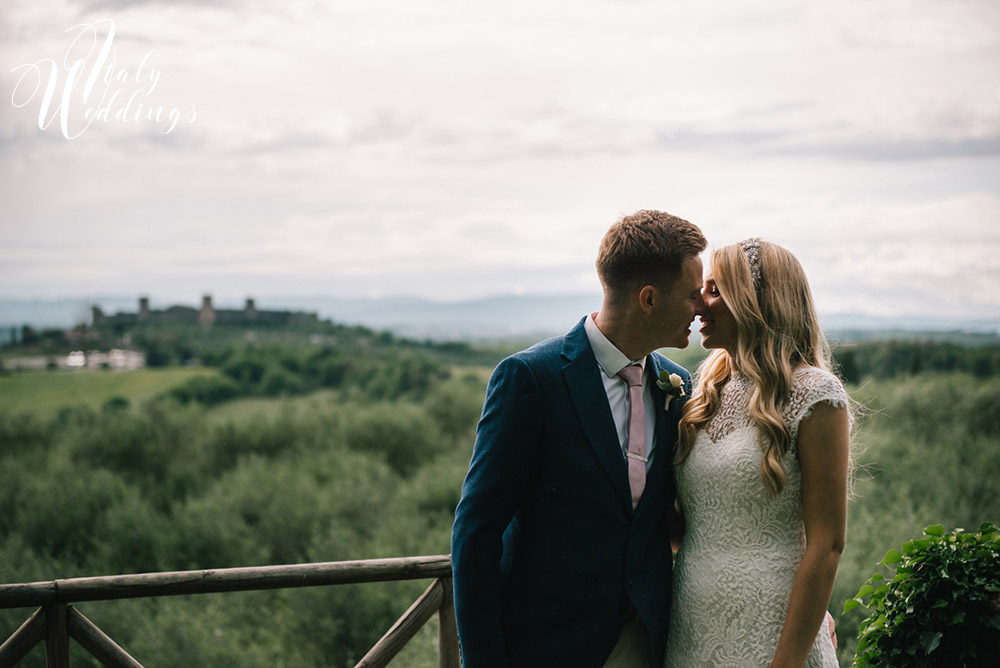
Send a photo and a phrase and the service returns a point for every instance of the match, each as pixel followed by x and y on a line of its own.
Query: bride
pixel 762 471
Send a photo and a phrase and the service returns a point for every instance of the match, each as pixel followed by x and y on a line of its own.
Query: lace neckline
pixel 809 385
pixel 733 400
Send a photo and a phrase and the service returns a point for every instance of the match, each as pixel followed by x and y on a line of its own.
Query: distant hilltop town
pixel 206 316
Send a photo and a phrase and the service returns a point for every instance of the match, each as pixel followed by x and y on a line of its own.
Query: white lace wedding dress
pixel 742 546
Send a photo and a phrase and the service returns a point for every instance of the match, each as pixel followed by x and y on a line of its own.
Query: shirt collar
pixel 609 358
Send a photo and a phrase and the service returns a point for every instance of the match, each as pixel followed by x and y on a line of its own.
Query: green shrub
pixel 156 448
pixel 207 390
pixel 157 355
pixel 942 608
pixel 57 510
pixel 22 432
pixel 277 381
pixel 395 376
pixel 115 404
pixel 232 441
pixel 456 408
pixel 984 410
pixel 403 434
pixel 332 372
pixel 246 370
pixel 134 537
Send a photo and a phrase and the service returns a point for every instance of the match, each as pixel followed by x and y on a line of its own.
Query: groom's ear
pixel 646 297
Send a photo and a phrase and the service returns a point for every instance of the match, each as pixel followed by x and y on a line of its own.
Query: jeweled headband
pixel 751 247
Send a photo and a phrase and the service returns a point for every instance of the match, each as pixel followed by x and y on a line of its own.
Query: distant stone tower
pixel 96 315
pixel 206 316
pixel 143 315
pixel 250 310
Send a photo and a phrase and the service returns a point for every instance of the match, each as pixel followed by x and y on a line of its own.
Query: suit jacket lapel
pixel 586 389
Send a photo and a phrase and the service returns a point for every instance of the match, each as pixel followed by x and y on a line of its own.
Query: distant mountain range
pixel 527 318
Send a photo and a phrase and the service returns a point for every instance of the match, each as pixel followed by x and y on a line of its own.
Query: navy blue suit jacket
pixel 547 551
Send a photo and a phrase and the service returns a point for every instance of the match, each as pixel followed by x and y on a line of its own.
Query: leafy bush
pixel 207 390
pixel 155 448
pixel 277 381
pixel 401 433
pixel 331 372
pixel 456 408
pixel 23 432
pixel 116 404
pixel 58 510
pixel 134 536
pixel 156 356
pixel 246 370
pixel 942 608
pixel 395 376
pixel 231 441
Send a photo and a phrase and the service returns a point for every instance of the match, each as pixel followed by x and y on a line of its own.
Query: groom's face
pixel 680 303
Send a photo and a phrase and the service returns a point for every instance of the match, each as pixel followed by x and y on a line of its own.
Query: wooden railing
pixel 56 621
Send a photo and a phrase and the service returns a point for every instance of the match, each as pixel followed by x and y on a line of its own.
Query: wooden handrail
pixel 56 621
pixel 173 583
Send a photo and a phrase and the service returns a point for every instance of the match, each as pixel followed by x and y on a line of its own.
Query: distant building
pixel 206 316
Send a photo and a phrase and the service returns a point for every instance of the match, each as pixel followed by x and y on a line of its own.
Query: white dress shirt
pixel 611 361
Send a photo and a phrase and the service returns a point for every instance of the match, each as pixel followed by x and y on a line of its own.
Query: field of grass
pixel 46 392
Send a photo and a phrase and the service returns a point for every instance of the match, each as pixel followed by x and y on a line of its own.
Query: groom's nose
pixel 700 307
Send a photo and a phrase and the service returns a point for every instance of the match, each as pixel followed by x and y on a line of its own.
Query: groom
pixel 560 549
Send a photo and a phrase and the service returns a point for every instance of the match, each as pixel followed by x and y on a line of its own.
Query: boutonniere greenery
pixel 672 384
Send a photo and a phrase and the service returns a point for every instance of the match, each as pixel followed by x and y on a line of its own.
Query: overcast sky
pixel 454 149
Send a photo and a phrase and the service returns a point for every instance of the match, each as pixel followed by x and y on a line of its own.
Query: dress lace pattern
pixel 742 546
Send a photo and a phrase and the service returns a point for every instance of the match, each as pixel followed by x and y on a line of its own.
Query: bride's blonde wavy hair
pixel 777 330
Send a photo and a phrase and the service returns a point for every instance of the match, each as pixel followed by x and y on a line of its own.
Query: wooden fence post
pixel 448 654
pixel 56 636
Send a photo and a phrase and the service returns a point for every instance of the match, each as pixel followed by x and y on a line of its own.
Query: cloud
pixel 473 86
pixel 459 148
pixel 926 149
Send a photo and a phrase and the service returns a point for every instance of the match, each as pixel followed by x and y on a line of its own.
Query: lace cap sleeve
pixel 811 386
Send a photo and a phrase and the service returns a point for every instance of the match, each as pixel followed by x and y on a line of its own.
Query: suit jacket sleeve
pixel 499 475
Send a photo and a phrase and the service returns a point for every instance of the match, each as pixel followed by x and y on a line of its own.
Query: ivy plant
pixel 942 607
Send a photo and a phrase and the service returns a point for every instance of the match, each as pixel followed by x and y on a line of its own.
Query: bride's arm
pixel 823 454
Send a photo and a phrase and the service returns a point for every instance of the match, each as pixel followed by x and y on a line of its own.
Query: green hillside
pixel 45 393
pixel 287 454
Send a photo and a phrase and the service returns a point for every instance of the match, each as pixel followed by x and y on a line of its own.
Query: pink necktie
pixel 636 451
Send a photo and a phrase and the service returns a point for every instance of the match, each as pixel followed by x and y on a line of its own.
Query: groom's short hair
pixel 646 248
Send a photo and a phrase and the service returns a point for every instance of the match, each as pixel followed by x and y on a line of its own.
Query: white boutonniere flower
pixel 672 384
